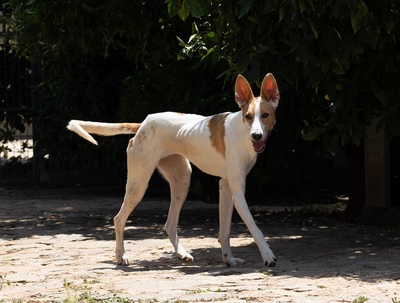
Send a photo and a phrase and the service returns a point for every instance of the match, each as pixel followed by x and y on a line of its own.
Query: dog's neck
pixel 237 128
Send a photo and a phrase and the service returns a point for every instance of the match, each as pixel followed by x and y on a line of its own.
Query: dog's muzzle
pixel 258 143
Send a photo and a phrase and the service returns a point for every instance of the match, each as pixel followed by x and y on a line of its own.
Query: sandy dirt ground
pixel 57 246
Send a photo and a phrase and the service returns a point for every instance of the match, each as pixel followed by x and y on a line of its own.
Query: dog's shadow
pixel 207 261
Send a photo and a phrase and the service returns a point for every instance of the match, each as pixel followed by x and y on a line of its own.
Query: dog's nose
pixel 257 136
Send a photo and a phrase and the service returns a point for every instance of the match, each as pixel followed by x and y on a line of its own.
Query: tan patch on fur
pixel 130 127
pixel 249 108
pixel 216 125
pixel 141 136
pixel 269 122
pixel 265 107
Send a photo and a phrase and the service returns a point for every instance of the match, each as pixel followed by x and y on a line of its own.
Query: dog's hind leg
pixel 139 173
pixel 225 218
pixel 176 170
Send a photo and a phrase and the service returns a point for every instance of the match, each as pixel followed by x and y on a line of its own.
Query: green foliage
pixel 86 52
pixel 157 89
pixel 344 54
pixel 336 62
pixel 182 8
pixel 14 92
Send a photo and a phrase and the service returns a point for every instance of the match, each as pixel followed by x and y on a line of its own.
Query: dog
pixel 224 145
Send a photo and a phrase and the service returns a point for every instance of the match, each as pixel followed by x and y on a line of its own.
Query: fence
pixel 16 135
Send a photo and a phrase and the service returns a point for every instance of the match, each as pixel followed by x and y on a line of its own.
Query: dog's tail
pixel 83 128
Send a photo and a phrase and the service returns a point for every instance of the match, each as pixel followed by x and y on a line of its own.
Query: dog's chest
pixel 195 142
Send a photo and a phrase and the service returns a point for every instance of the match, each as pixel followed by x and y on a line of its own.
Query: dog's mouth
pixel 259 146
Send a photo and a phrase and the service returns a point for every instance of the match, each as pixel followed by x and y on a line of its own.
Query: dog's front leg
pixel 244 212
pixel 225 218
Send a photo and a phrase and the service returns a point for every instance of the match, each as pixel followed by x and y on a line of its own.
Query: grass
pixel 69 298
pixel 94 281
pixel 198 291
pixel 360 299
pixel 4 281
pixel 88 297
pixel 269 273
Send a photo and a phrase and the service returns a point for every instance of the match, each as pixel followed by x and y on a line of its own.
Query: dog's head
pixel 258 112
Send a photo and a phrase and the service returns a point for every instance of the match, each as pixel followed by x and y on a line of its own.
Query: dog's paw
pixel 270 260
pixel 123 260
pixel 186 258
pixel 230 262
pixel 271 263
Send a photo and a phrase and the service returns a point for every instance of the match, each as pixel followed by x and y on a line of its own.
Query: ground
pixel 58 246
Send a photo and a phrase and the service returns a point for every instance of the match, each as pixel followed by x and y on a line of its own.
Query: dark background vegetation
pixel 336 63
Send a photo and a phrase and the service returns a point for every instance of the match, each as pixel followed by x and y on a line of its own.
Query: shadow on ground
pixel 307 244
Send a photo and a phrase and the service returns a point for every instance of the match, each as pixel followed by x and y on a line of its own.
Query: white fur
pixel 169 141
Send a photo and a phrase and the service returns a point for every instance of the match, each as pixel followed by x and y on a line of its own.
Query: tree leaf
pixel 245 6
pixel 313 28
pixel 302 6
pixel 282 13
pixel 183 11
pixel 210 50
pixel 313 134
pixel 181 42
pixel 357 18
pixel 196 8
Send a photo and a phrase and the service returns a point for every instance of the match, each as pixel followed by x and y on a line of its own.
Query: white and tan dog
pixel 223 145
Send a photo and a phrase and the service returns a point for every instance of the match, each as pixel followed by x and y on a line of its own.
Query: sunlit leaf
pixel 183 11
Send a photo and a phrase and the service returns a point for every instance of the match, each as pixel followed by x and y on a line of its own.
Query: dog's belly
pixel 202 155
pixel 215 167
pixel 193 137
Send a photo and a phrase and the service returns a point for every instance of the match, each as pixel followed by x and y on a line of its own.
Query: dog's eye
pixel 248 117
pixel 265 115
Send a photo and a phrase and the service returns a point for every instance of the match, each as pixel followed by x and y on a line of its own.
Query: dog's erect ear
pixel 269 90
pixel 243 92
